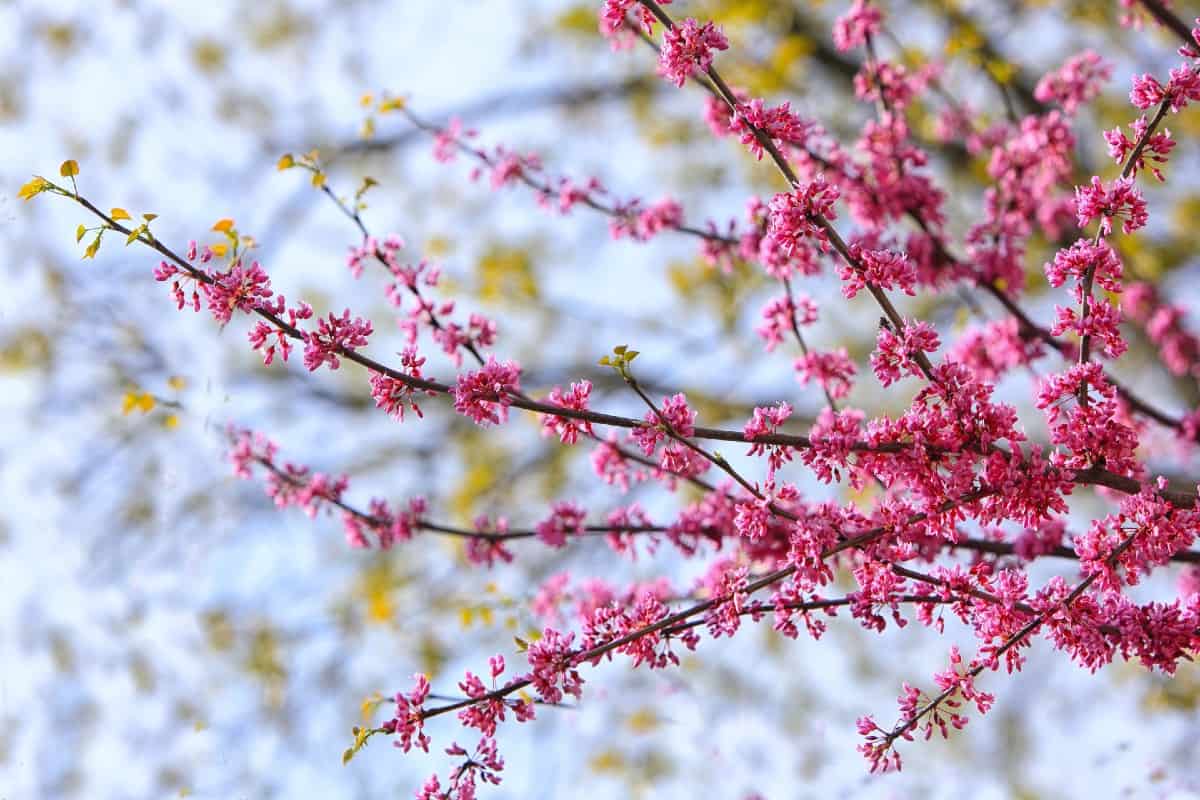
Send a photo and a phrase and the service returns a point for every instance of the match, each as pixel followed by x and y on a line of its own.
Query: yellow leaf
pixel 92 248
pixel 285 162
pixel 391 104
pixel 176 382
pixel 34 187
pixel 368 128
pixel 370 704
pixel 219 249
pixel 149 217
pixel 69 168
pixel 318 179
pixel 119 213
pixel 366 100
pixel 79 233
pixel 466 615
pixel 644 720
pixel 134 234
pixel 137 401
pixel 171 421
pixel 347 755
pixel 223 225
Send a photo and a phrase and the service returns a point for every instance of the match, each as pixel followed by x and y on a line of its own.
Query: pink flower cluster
pixel 486 394
pixel 687 47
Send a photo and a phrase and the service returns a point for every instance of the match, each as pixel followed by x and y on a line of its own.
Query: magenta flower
pixel 486 394
pixel 687 47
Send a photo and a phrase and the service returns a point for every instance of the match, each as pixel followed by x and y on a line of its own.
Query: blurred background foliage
pixel 164 632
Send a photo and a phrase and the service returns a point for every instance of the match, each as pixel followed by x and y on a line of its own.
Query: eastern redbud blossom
pixel 1083 255
pixel 165 272
pixel 238 288
pixel 782 314
pixel 334 335
pixel 832 437
pixel 885 269
pixel 1076 82
pixel 833 371
pixel 1122 200
pixel 266 337
pixel 889 83
pixel 486 394
pixel 778 123
pixel 565 428
pixel 729 589
pixel 552 664
pixel 393 395
pixel 566 519
pixel 446 141
pixel 663 215
pixel 993 349
pixel 794 218
pixel 767 420
pixel 1091 434
pixel 1157 148
pixel 674 415
pixel 613 23
pixel 1146 532
pixel 1042 540
pixel 489 712
pixel 631 517
pixel 608 623
pixel 1102 323
pixel 1027 490
pixel 614 468
pixel 687 47
pixel 1184 86
pixel 853 28
pixel 408 724
pixel 486 550
pixel 894 354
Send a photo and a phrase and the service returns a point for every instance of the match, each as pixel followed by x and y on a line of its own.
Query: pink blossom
pixel 486 394
pixel 894 355
pixel 1076 83
pixel 687 46
pixel 334 335
pixel 779 124
pixel 766 421
pixel 833 371
pixel 1157 148
pixel 267 337
pixel 552 663
pixel 239 288
pixel 833 437
pixel 408 724
pixel 674 415
pixel 1122 200
pixel 853 28
pixel 881 268
pixel 566 519
pixel 794 218
pixel 394 395
pixel 1084 255
pixel 565 428
pixel 446 141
